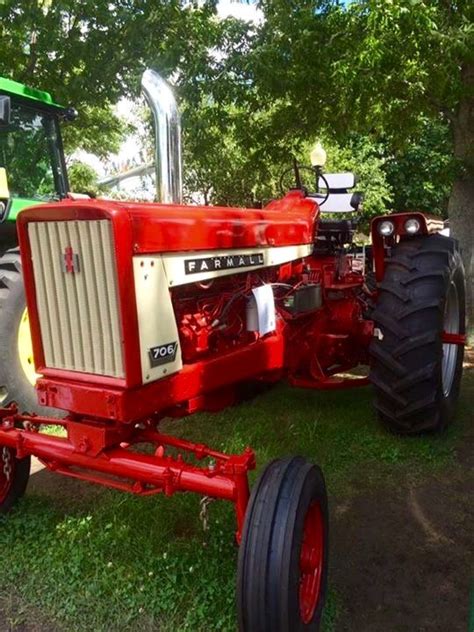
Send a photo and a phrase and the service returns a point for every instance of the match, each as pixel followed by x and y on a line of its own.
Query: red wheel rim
pixel 5 481
pixel 311 561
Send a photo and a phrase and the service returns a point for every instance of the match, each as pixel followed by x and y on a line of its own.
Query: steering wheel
pixel 314 173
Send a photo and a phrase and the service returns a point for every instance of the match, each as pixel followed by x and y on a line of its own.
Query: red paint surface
pixel 379 243
pixel 156 228
pixel 453 339
pixel 311 562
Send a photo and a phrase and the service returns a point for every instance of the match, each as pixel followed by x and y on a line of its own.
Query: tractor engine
pixel 211 317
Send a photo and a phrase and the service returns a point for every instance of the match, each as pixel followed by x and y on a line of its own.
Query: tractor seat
pixel 338 230
pixel 340 199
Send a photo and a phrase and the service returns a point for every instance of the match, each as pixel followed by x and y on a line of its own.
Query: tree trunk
pixel 461 221
pixel 461 201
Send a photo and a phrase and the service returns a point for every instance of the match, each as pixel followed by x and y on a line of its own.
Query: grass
pixel 109 561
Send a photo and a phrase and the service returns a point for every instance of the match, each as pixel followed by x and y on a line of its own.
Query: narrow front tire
pixel 283 556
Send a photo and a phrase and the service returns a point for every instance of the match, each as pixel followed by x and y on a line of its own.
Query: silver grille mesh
pixel 78 309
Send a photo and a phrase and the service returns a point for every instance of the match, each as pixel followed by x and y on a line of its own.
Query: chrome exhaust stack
pixel 167 122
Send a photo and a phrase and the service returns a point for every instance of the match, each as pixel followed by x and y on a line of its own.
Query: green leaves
pixel 252 94
pixel 90 53
pixel 82 178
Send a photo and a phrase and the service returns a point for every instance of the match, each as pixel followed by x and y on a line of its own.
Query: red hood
pixel 170 228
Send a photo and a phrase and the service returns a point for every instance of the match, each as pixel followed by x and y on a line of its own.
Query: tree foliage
pixel 421 175
pixel 83 178
pixel 89 53
pixel 389 85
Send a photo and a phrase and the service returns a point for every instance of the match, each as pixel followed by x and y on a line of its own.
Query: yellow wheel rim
pixel 25 349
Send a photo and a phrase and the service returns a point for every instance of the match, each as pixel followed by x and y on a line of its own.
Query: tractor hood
pixel 158 228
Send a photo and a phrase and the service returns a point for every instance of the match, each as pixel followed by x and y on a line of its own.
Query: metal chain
pixel 7 464
pixel 204 513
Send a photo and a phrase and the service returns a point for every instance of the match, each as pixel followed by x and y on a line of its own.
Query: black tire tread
pixel 265 552
pixel 11 300
pixel 20 482
pixel 405 367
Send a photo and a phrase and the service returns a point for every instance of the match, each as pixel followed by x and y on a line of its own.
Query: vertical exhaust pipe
pixel 167 122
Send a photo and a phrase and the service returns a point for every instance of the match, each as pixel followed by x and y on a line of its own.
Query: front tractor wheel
pixel 283 556
pixel 416 371
pixel 17 371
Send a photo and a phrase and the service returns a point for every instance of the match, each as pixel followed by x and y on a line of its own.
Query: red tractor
pixel 145 311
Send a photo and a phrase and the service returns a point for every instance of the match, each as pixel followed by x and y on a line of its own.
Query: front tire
pixel 415 376
pixel 283 556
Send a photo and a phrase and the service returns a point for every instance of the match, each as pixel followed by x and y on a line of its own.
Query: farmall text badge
pixel 224 262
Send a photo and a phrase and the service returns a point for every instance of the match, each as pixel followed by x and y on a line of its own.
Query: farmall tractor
pixel 145 311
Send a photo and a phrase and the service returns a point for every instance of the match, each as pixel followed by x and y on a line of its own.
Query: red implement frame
pixel 106 454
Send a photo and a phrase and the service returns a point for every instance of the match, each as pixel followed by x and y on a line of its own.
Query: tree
pixel 89 53
pixel 417 57
pixel 378 68
pixel 83 178
pixel 421 175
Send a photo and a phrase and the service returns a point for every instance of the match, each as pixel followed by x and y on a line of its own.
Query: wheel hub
pixel 311 562
pixel 450 351
pixel 25 349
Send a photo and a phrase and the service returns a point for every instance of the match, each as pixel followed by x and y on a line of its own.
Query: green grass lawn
pixel 110 561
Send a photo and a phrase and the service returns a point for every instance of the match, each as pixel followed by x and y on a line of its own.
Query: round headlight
pixel 386 228
pixel 412 226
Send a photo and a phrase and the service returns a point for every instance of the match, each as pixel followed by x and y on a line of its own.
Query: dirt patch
pixel 13 618
pixel 403 560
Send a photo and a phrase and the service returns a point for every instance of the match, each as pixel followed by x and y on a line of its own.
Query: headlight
pixel 412 226
pixel 386 228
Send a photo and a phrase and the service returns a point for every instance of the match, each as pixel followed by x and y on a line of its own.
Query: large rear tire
pixel 416 377
pixel 17 375
pixel 283 556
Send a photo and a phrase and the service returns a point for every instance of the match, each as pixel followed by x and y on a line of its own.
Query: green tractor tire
pixel 17 369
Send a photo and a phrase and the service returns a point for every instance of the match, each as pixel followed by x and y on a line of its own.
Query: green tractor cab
pixel 32 171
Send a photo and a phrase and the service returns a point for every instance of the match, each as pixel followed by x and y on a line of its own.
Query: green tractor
pixel 32 170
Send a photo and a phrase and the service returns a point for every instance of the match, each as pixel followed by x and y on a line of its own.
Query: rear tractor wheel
pixel 17 369
pixel 416 371
pixel 283 556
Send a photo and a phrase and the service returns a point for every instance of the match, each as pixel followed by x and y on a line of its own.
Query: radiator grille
pixel 77 296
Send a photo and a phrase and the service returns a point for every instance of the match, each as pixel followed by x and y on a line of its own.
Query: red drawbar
pixel 104 454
